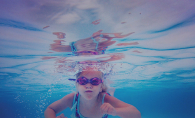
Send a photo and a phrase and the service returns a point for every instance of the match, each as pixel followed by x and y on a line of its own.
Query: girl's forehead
pixel 91 73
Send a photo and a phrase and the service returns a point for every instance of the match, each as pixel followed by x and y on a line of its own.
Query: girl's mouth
pixel 88 91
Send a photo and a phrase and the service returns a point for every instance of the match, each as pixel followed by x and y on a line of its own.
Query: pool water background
pixel 166 103
pixel 154 68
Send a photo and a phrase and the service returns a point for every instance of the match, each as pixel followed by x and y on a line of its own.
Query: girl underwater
pixel 91 100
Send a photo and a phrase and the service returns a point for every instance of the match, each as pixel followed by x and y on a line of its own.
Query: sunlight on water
pixel 144 45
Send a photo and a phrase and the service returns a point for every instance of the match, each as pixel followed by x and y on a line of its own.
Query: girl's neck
pixel 89 103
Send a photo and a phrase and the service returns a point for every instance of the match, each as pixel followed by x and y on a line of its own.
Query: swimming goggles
pixel 94 81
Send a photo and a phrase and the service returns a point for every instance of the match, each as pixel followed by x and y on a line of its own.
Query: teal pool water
pixel 146 49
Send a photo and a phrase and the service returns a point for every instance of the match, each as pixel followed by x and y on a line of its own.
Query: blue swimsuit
pixel 76 107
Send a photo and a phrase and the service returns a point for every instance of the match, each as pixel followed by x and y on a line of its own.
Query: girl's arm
pixel 59 105
pixel 128 112
pixel 122 109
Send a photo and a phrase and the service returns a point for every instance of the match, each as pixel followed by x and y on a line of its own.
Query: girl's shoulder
pixel 70 96
pixel 105 96
pixel 108 98
pixel 68 99
pixel 114 101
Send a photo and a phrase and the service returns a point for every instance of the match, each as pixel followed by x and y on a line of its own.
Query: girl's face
pixel 89 91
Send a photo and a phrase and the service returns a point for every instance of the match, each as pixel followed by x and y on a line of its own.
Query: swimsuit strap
pixel 76 99
pixel 97 43
pixel 74 107
pixel 74 49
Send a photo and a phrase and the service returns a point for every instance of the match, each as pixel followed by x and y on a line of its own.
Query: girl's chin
pixel 89 96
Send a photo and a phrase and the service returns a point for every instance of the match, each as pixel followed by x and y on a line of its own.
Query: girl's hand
pixel 107 108
pixel 61 116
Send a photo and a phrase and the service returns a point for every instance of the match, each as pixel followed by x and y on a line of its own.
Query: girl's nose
pixel 88 86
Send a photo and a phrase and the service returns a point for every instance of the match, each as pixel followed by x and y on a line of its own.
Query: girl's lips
pixel 88 91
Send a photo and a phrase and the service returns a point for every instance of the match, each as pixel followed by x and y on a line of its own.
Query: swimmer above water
pixel 91 100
